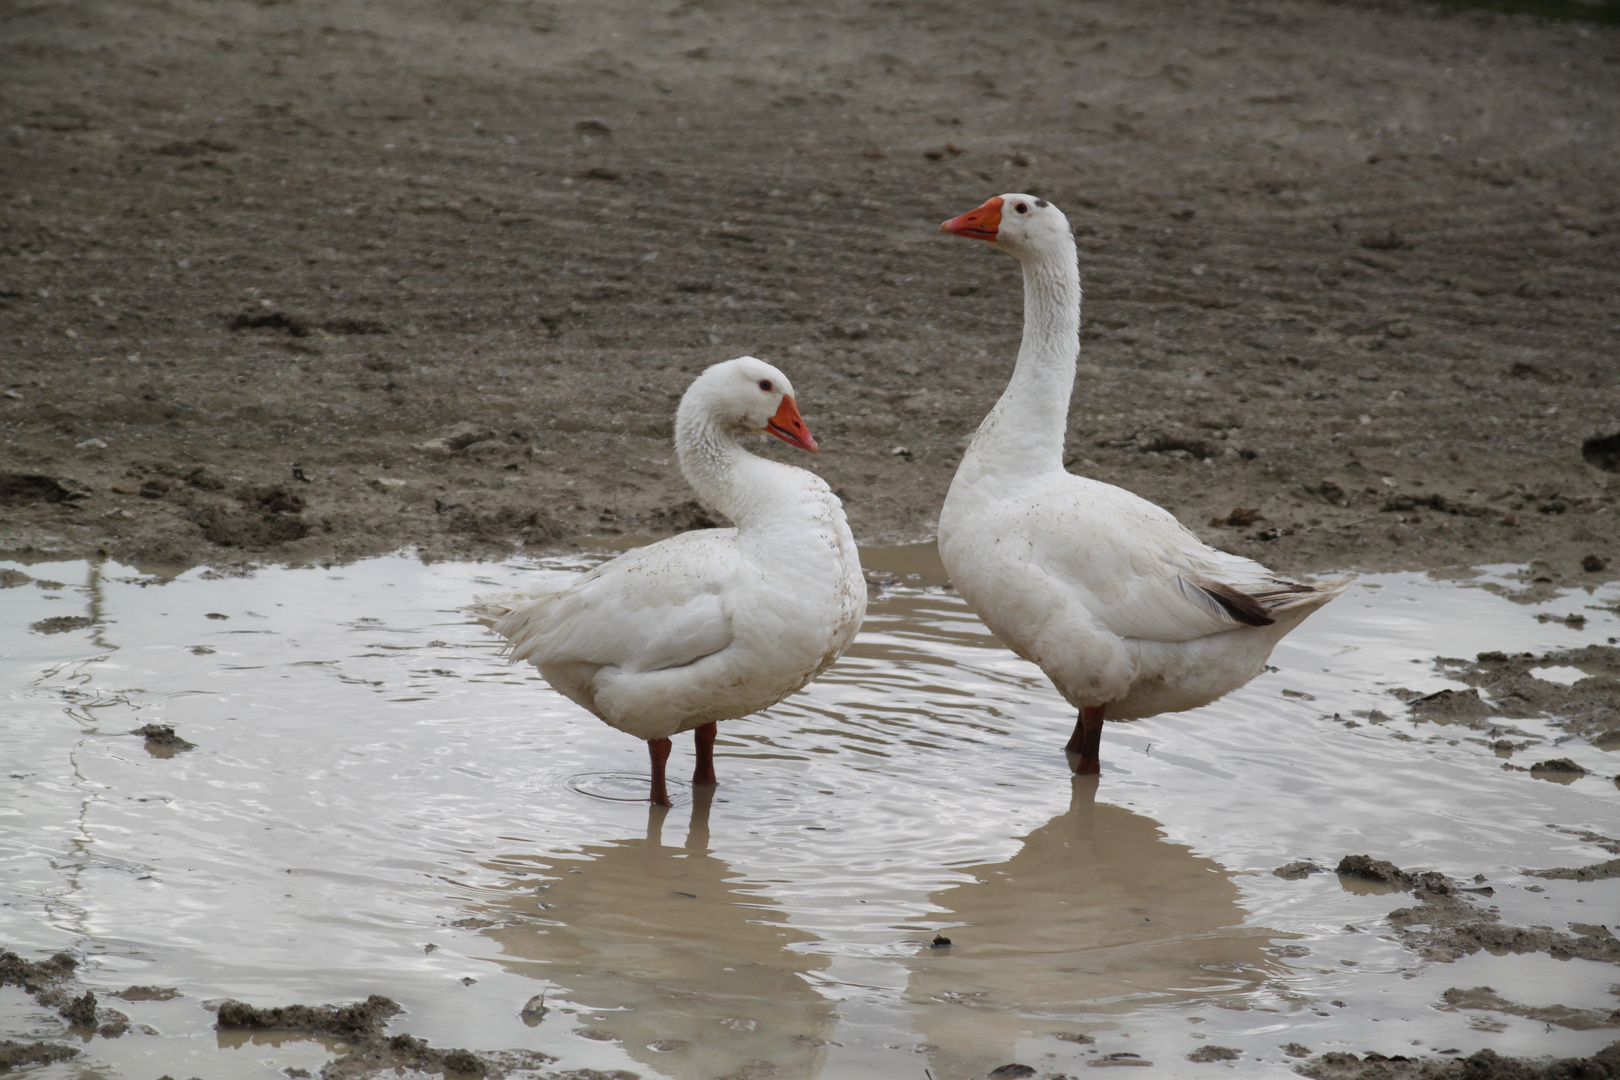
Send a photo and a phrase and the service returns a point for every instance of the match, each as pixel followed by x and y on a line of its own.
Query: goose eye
pixel 1022 208
pixel 765 385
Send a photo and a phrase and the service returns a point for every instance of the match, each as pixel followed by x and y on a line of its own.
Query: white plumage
pixel 710 625
pixel 1125 610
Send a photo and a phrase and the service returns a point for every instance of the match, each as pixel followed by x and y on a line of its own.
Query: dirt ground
pixel 291 281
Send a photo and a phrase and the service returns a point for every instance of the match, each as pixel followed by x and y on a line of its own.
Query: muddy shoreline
pixel 302 282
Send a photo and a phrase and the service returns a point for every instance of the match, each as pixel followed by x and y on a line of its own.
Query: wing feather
pixel 647 610
pixel 1141 574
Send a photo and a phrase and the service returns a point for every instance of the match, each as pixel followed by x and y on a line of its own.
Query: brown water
pixel 377 804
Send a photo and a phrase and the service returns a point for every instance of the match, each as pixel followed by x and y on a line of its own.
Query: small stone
pixel 1371 869
pixel 162 735
pixel 1296 870
pixel 940 942
pixel 1593 564
pixel 534 1010
pixel 1243 516
pixel 1214 1053
pixel 1011 1071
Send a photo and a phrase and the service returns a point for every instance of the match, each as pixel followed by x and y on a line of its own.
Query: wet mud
pixel 303 281
pixel 358 1021
pixel 368 1052
pixel 1452 919
pixel 1483 1065
pixel 1589 707
pixel 51 983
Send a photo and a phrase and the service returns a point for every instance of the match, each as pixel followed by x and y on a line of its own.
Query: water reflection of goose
pixel 691 971
pixel 1095 913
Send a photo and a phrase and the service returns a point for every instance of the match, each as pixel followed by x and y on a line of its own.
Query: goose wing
pixel 1141 574
pixel 658 607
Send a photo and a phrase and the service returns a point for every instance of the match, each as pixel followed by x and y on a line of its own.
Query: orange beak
pixel 980 223
pixel 788 426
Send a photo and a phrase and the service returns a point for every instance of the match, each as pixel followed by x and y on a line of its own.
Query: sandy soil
pixel 294 281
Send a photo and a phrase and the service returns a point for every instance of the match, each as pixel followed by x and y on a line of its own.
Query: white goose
pixel 1127 612
pixel 708 625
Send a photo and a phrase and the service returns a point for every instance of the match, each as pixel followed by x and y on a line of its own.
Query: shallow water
pixel 377 804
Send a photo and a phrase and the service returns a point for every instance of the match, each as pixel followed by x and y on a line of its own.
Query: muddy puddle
pixel 374 803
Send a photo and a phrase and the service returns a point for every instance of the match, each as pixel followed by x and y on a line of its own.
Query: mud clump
pixel 15 1055
pixel 1451 706
pixel 147 993
pixel 1367 868
pixel 1602 451
pixel 61 624
pixel 381 1057
pixel 1590 707
pixel 1294 871
pixel 1599 872
pixel 1484 1065
pixel 1214 1053
pixel 35 976
pixel 80 1011
pixel 162 737
pixel 362 1020
pixel 50 982
pixel 26 489
pixel 1444 926
pixel 1484 997
pixel 1559 765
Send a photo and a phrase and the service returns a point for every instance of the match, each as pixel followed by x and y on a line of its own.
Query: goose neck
pixel 723 474
pixel 1024 432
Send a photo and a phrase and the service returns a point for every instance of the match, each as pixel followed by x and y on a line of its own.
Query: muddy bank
pixel 1588 707
pixel 1452 919
pixel 292 282
pixel 1484 1065
pixel 367 1051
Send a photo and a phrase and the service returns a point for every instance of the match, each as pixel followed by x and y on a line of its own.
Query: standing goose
pixel 1127 612
pixel 711 625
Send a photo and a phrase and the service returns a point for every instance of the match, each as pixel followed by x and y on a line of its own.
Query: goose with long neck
pixel 709 625
pixel 1128 613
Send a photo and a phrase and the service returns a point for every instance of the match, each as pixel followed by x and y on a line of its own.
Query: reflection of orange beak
pixel 980 223
pixel 788 426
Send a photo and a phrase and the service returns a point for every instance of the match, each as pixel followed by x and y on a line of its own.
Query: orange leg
pixel 704 736
pixel 1086 742
pixel 658 750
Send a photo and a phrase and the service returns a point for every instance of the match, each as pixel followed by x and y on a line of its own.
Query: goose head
pixel 1018 224
pixel 747 396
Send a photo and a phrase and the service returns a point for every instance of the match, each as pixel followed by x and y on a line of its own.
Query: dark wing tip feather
pixel 1240 605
